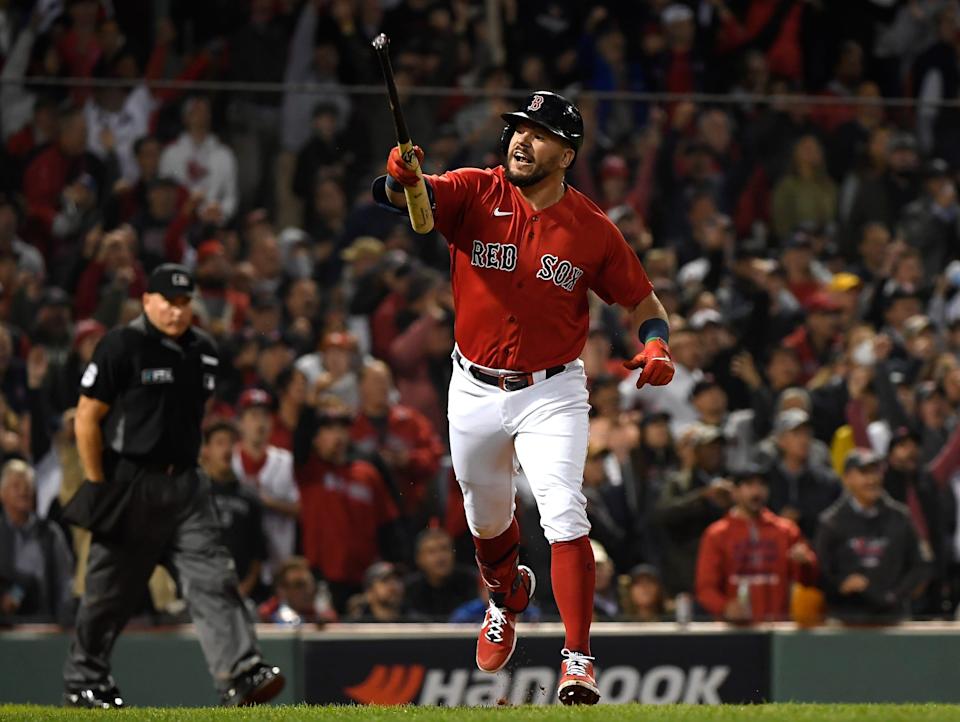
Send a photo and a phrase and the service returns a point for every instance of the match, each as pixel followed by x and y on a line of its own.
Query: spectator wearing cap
pixel 276 352
pixel 362 279
pixel 291 389
pixel 265 314
pixel 221 309
pixel 805 277
pixel 202 164
pixel 806 192
pixel 268 471
pixel 675 397
pixel 691 500
pixel 439 585
pixel 816 341
pixel 847 291
pixel 631 224
pixel 678 68
pixel 933 413
pixel 930 223
pixel 239 511
pixel 871 560
pixel 348 518
pixel 51 325
pixel 908 483
pixel 752 548
pixel 801 483
pixel 331 369
pixel 383 598
pixel 298 251
pixel 298 598
pixel 892 305
pixel 113 276
pixel 614 177
pixel 643 597
pixel 403 438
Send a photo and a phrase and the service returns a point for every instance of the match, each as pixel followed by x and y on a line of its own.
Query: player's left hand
pixel 656 362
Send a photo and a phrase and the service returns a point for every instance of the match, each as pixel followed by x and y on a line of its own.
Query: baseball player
pixel 524 250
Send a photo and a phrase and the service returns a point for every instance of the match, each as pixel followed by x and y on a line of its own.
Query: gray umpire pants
pixel 169 520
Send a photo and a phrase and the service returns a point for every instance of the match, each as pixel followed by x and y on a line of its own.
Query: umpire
pixel 142 400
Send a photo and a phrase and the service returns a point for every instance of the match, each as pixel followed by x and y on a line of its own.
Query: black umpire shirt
pixel 157 388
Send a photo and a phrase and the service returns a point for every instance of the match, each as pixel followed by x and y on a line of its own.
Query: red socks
pixel 574 578
pixel 497 559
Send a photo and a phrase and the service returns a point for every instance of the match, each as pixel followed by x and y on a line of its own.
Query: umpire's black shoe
pixel 94 698
pixel 258 686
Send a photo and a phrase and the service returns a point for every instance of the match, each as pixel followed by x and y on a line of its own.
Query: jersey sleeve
pixel 106 374
pixel 621 278
pixel 452 192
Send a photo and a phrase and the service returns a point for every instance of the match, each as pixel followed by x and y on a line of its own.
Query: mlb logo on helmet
pixel 536 103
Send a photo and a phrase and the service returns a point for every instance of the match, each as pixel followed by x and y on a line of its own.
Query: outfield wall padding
pixel 433 665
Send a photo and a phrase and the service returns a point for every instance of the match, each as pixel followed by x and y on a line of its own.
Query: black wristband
pixel 654 328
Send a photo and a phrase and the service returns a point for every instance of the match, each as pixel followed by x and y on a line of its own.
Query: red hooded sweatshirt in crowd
pixel 406 430
pixel 736 549
pixel 342 507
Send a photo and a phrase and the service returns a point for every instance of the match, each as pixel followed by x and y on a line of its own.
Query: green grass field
pixel 611 713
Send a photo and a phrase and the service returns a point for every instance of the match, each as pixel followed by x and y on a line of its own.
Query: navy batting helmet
pixel 550 111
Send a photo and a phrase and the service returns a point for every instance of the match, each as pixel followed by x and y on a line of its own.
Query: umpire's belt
pixel 507 381
pixel 157 467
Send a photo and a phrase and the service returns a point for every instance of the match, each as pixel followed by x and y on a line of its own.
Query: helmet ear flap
pixel 505 137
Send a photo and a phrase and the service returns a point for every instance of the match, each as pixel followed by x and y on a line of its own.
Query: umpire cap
pixel 170 280
pixel 550 111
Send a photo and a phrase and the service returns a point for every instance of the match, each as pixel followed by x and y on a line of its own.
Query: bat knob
pixel 380 42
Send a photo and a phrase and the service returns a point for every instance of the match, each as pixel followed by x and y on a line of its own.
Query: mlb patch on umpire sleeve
pixel 89 377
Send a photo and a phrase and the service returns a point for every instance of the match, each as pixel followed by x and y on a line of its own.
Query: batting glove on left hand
pixel 656 363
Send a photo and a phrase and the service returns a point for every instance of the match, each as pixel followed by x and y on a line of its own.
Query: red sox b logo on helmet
pixel 536 103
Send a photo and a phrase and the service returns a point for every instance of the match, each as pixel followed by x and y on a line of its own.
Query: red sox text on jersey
pixel 520 276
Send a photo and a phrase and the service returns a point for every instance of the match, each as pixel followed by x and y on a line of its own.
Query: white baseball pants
pixel 543 428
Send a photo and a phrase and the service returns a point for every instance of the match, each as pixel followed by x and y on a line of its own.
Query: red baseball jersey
pixel 409 431
pixel 520 277
pixel 341 509
pixel 735 550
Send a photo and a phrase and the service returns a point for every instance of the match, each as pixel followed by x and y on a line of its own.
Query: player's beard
pixel 525 181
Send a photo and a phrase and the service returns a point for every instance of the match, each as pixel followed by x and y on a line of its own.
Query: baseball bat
pixel 418 202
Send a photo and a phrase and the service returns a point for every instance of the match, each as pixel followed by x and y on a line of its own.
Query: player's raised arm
pixel 654 331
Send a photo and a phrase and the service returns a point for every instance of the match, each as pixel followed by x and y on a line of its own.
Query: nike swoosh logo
pixel 498 213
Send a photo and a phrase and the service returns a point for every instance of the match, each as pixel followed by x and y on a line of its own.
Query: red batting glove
pixel 396 168
pixel 656 363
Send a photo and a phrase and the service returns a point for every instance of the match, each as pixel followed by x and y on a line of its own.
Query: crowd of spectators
pixel 803 235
